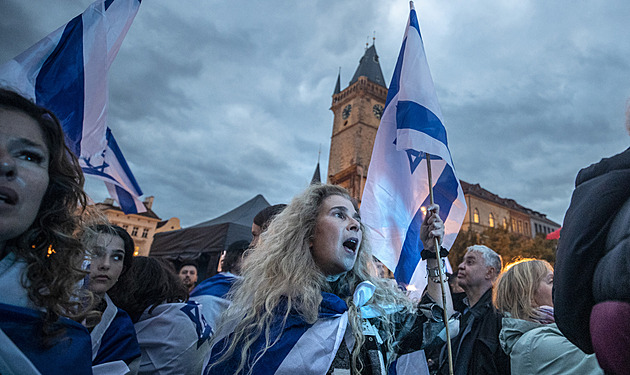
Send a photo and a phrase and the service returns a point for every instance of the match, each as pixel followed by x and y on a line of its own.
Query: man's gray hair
pixel 490 257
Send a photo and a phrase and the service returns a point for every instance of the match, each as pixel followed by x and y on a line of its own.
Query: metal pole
pixel 442 281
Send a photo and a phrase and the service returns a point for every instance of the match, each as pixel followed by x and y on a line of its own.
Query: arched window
pixel 491 219
pixel 476 216
pixel 505 223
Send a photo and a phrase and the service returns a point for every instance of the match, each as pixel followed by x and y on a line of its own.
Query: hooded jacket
pixel 591 264
pixel 536 348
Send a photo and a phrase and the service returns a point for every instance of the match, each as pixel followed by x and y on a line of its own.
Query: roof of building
pixel 478 191
pixel 338 84
pixel 107 205
pixel 369 67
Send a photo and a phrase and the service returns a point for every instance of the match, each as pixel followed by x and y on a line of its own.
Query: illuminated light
pixel 517 261
pixel 51 251
pixel 135 253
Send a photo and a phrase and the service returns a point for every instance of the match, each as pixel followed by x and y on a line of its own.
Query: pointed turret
pixel 338 85
pixel 370 67
pixel 317 179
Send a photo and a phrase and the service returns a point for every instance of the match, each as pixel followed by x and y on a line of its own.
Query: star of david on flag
pixel 66 72
pixel 397 187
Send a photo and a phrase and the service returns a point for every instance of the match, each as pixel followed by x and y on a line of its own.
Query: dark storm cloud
pixel 213 102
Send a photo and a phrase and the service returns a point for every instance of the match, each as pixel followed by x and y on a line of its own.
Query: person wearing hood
pixel 530 337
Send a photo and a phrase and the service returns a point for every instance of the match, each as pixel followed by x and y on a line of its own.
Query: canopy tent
pixel 204 242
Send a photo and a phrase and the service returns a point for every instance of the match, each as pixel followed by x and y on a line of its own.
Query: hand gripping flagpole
pixel 441 274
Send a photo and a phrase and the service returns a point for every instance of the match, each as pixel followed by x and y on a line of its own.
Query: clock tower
pixel 357 113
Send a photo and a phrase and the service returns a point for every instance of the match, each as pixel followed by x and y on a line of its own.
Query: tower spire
pixel 338 85
pixel 317 179
pixel 369 67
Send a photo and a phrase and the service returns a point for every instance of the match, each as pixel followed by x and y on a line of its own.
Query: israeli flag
pixel 66 72
pixel 309 349
pixel 397 187
pixel 212 296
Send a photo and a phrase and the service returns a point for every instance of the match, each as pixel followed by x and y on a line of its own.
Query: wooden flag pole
pixel 442 278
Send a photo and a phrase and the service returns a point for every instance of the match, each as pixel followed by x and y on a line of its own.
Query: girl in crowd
pixel 40 259
pixel 172 333
pixel 529 336
pixel 312 273
pixel 114 337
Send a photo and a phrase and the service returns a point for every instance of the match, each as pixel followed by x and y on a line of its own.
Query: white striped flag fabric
pixel 66 72
pixel 397 189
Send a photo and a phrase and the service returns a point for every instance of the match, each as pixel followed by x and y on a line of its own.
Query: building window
pixel 125 227
pixel 505 223
pixel 134 232
pixel 527 228
pixel 476 216
pixel 520 226
pixel 145 232
pixel 513 225
pixel 491 219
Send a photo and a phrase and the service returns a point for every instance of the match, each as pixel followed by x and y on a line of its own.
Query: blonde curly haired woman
pixel 529 335
pixel 312 272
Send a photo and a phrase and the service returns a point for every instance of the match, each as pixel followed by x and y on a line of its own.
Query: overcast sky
pixel 213 102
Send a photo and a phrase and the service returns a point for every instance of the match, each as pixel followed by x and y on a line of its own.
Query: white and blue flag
pixel 66 72
pixel 397 188
pixel 309 349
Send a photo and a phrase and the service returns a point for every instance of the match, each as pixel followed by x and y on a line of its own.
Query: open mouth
pixel 8 196
pixel 351 243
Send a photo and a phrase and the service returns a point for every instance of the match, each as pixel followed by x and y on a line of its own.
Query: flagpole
pixel 442 279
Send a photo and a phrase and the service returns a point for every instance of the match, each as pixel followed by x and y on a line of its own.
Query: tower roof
pixel 317 176
pixel 369 67
pixel 338 85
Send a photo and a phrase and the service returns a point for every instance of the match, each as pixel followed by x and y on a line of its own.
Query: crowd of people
pixel 304 296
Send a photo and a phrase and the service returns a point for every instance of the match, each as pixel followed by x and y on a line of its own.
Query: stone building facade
pixel 141 226
pixel 488 210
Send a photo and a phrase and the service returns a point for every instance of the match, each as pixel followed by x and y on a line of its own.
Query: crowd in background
pixel 304 296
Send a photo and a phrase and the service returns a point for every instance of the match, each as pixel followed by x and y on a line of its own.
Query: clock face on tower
pixel 346 111
pixel 378 111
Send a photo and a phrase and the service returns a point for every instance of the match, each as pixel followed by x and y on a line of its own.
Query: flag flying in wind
pixel 66 72
pixel 397 188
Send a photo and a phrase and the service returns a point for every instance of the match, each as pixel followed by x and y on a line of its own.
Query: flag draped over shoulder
pixel 66 72
pixel 397 187
pixel 304 348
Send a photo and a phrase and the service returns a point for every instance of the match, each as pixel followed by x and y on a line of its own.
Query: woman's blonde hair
pixel 280 277
pixel 517 285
